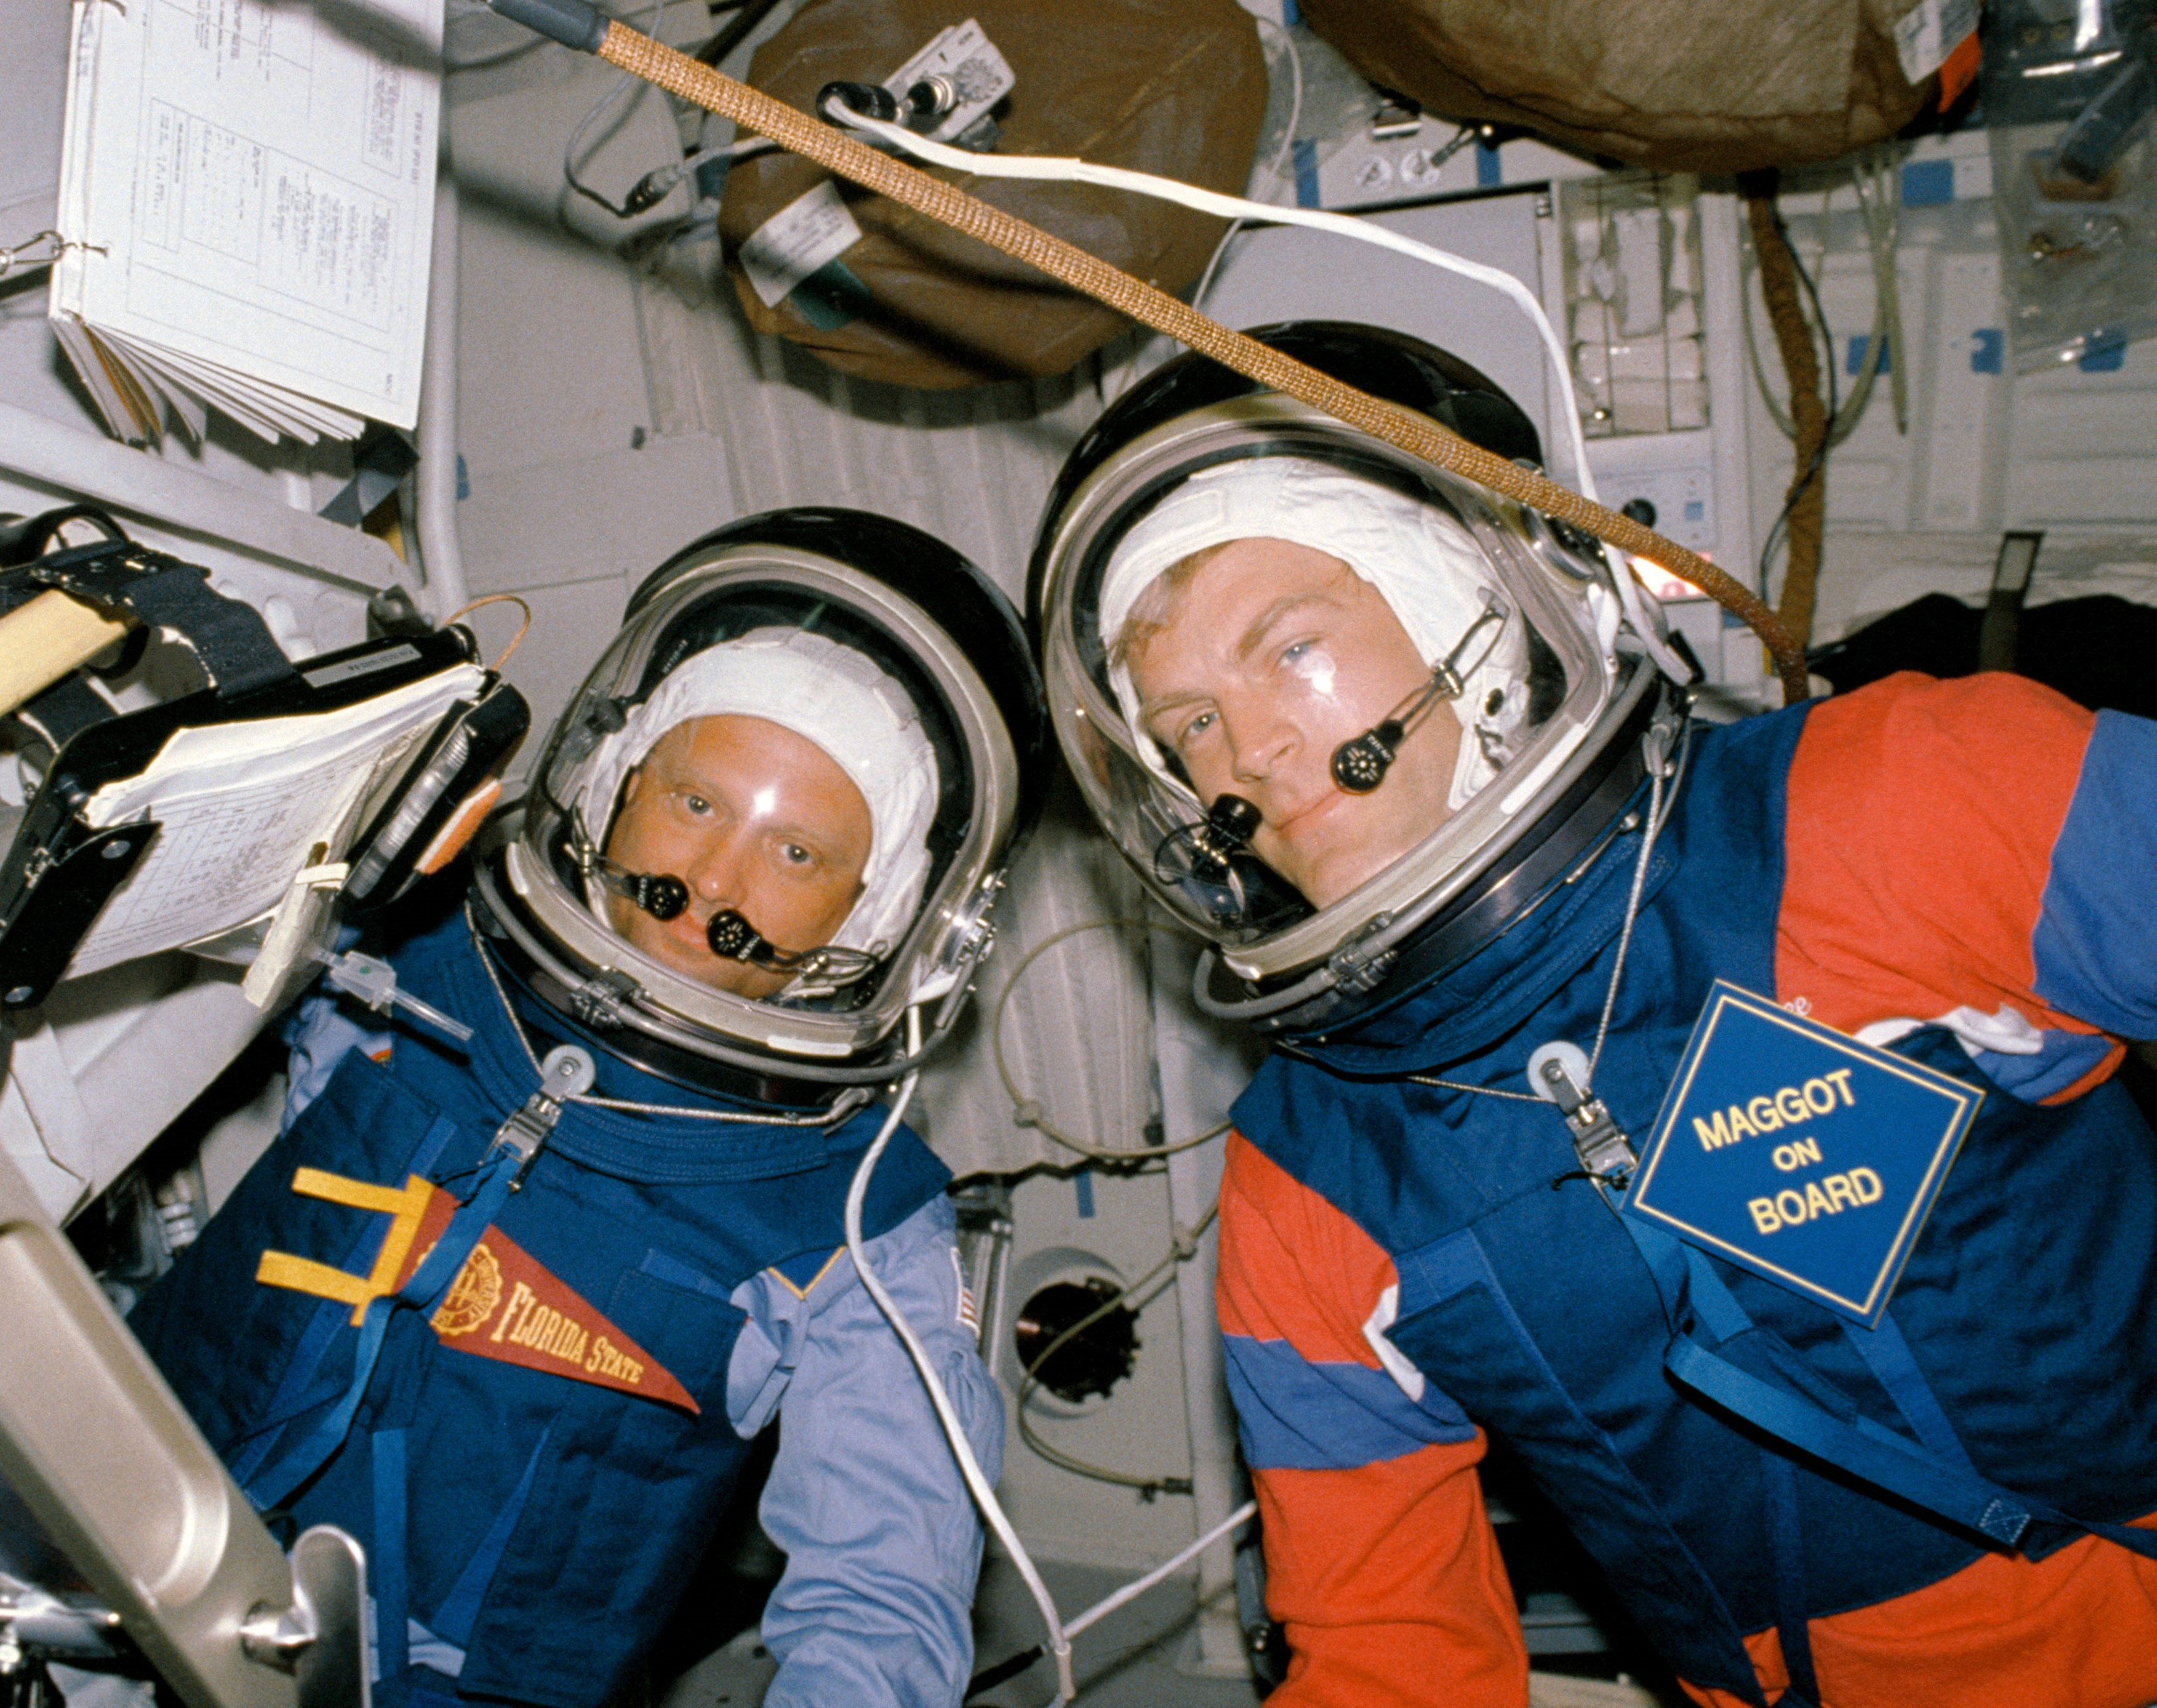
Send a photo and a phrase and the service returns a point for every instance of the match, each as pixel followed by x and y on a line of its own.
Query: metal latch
pixel 320 1639
pixel 601 1000
pixel 1357 968
pixel 1559 1071
pixel 566 1072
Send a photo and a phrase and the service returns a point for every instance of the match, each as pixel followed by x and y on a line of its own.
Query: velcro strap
pixel 230 639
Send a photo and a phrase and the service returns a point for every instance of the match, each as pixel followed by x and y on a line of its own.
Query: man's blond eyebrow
pixel 1182 697
pixel 1252 636
pixel 1272 613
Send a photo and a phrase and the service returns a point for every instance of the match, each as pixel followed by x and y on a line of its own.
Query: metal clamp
pixel 320 1639
pixel 1357 968
pixel 567 1072
pixel 1559 1071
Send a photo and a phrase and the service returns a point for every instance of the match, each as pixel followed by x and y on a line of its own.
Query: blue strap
pixel 459 1613
pixel 1888 1356
pixel 273 1487
pixel 1694 1294
pixel 1786 1549
pixel 1802 1411
pixel 1868 1452
pixel 1852 1441
pixel 386 1558
pixel 297 1392
pixel 1806 1412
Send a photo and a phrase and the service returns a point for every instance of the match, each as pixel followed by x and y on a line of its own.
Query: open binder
pixel 262 796
pixel 246 215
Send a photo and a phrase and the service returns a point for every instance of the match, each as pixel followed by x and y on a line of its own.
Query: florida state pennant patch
pixel 504 1305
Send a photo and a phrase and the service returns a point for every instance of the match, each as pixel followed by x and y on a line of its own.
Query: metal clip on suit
pixel 568 1073
pixel 1559 1071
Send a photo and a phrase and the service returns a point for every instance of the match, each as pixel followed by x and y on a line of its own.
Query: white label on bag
pixel 810 231
pixel 1931 30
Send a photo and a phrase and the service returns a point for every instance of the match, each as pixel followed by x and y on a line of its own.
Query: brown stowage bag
pixel 1176 87
pixel 1679 85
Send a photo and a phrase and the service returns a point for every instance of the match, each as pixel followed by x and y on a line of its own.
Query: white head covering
pixel 1424 563
pixel 826 693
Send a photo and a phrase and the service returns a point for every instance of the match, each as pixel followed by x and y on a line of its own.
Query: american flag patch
pixel 969 1314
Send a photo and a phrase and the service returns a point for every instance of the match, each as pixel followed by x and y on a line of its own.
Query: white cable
pixel 1631 597
pixel 970 1467
pixel 741 148
pixel 1056 169
pixel 1138 1587
pixel 1064 170
pixel 628 82
pixel 1273 165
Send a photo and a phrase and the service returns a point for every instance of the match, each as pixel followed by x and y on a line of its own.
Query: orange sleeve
pixel 1381 1563
pixel 2076 1629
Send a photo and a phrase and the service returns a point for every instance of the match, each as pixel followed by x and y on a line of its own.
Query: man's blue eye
pixel 1197 726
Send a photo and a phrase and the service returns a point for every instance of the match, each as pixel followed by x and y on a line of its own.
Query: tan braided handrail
pixel 1417 435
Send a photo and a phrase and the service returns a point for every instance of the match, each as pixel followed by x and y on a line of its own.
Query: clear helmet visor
pixel 784 777
pixel 1303 682
pixel 770 813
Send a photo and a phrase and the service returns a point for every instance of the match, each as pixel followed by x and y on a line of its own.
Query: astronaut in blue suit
pixel 510 1310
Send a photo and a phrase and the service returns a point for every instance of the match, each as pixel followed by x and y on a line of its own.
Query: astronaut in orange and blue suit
pixel 1418 1253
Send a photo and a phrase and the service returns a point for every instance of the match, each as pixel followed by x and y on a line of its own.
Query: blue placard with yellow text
pixel 1800 1154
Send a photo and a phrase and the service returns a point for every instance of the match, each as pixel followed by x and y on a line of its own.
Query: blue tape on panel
pixel 1305 155
pixel 2106 353
pixel 1927 184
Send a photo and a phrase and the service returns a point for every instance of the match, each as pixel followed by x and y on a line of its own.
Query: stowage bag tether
pixel 1417 435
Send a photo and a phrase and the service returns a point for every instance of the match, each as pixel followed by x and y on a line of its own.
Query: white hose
pixel 1138 1587
pixel 435 501
pixel 970 1467
pixel 1058 169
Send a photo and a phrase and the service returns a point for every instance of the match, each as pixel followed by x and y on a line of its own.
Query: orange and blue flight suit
pixel 1965 871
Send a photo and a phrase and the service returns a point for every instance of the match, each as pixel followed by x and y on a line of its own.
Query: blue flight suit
pixel 529 1529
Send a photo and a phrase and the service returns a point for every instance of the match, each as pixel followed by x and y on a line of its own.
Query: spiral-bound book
pixel 246 212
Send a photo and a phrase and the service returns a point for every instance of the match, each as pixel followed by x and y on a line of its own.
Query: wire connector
pixel 575 23
pixel 372 983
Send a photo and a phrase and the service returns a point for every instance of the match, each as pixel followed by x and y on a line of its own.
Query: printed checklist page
pixel 239 808
pixel 248 188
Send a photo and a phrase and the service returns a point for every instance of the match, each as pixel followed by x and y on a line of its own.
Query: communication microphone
pixel 733 938
pixel 1360 763
pixel 1359 766
pixel 659 894
pixel 1211 846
